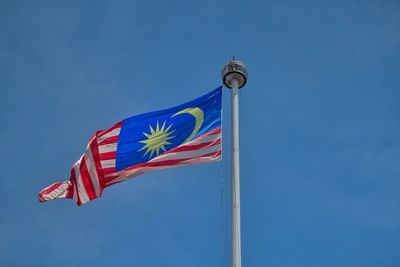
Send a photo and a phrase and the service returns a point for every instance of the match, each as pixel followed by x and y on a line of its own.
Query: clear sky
pixel 320 131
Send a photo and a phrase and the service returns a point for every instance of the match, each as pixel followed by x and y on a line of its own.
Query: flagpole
pixel 234 76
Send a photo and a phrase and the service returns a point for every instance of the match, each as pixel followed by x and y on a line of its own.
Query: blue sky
pixel 320 131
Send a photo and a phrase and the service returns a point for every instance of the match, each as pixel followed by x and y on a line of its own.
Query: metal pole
pixel 235 76
pixel 236 250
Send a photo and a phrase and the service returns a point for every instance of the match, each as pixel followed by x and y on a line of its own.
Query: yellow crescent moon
pixel 198 114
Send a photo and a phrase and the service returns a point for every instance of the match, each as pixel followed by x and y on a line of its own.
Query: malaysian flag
pixel 186 134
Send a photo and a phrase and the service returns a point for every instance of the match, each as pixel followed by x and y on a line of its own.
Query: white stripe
pixel 63 195
pixel 111 133
pixel 109 163
pixel 128 174
pixel 200 157
pixel 204 139
pixel 59 192
pixel 81 188
pixel 50 186
pixel 75 195
pixel 187 154
pixel 125 175
pixel 91 167
pixel 108 148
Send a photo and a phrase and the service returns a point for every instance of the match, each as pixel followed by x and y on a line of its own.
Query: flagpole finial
pixel 234 70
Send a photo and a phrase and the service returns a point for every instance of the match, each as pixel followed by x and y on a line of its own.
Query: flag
pixel 189 133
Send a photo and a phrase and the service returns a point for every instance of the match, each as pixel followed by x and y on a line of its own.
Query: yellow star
pixel 156 139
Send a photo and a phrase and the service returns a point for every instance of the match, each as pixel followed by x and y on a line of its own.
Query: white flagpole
pixel 234 76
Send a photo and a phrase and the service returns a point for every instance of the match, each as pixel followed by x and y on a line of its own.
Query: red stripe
pixel 193 147
pixel 215 131
pixel 75 185
pixel 50 189
pixel 212 154
pixel 101 133
pixel 87 182
pixel 70 192
pixel 169 163
pixel 96 158
pixel 110 140
pixel 108 155
pixel 41 199
pixel 107 171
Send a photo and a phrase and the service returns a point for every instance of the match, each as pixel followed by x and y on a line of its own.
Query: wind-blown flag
pixel 186 134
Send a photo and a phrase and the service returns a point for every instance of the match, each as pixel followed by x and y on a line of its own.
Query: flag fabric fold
pixel 189 133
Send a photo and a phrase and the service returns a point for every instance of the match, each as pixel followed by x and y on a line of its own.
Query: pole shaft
pixel 236 249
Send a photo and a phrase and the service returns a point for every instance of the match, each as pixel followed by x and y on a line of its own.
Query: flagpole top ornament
pixel 234 70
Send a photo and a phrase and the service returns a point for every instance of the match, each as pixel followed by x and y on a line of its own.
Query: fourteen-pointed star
pixel 156 139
